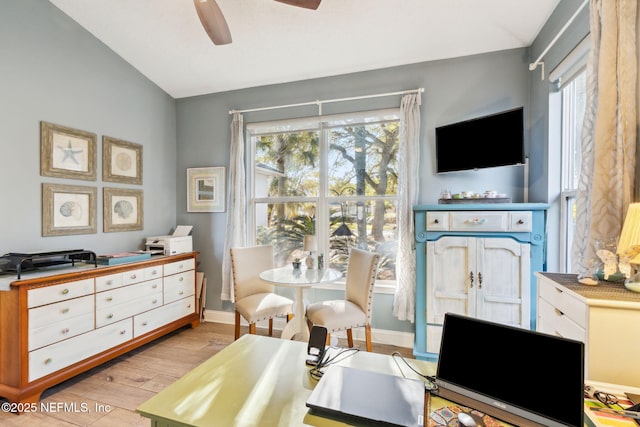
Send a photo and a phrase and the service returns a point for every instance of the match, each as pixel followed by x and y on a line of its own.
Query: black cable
pixel 316 371
pixel 430 385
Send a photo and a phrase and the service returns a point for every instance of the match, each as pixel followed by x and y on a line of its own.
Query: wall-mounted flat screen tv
pixel 483 142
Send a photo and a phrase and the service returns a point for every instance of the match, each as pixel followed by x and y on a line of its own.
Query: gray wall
pixel 455 89
pixel 53 70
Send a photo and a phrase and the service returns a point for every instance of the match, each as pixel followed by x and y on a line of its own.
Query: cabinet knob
pixel 145 323
pixel 479 280
pixel 48 360
pixel 155 301
pixel 122 332
pixel 65 331
pixel 436 221
pixel 64 310
pixel 65 291
pixel 181 279
pixel 471 279
pixel 110 316
pixel 520 222
pixel 133 276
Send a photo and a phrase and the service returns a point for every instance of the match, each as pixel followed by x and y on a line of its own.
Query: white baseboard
pixel 378 336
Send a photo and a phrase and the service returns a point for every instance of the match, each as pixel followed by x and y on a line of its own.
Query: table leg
pixel 297 328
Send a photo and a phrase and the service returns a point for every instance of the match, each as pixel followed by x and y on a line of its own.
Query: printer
pixel 177 243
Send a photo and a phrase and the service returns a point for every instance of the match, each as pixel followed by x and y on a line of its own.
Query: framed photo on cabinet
pixel 67 153
pixel 123 209
pixel 68 209
pixel 206 189
pixel 121 161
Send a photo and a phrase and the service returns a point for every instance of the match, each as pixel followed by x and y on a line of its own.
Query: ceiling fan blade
pixel 307 4
pixel 213 21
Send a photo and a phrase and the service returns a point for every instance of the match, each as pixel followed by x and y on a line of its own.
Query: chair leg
pixel 252 328
pixel 367 334
pixel 237 328
pixel 350 338
pixel 270 327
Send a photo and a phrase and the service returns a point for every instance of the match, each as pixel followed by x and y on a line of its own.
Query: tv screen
pixel 535 376
pixel 484 142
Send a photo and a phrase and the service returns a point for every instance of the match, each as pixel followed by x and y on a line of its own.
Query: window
pixel 573 105
pixel 332 176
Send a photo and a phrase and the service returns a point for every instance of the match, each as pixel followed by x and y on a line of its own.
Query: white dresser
pixel 606 317
pixel 55 326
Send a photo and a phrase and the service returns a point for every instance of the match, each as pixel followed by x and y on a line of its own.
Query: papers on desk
pixel 597 414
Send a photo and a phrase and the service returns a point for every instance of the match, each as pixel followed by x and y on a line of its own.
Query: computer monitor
pixel 512 373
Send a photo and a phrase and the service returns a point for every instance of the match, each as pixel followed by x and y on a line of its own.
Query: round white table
pixel 299 279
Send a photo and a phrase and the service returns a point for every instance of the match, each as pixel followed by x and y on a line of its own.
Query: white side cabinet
pixel 477 260
pixel 605 317
pixel 55 326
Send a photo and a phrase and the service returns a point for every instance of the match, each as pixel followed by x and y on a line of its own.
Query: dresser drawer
pixel 54 332
pixel 479 221
pixel 61 292
pixel 60 311
pixel 179 266
pixel 520 221
pixel 111 281
pixel 179 286
pixel 57 356
pixel 437 221
pixel 150 320
pixel 154 272
pixel 566 304
pixel 133 276
pixel 553 321
pixel 121 295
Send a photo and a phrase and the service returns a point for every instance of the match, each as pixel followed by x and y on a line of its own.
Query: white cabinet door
pixel 450 265
pixel 502 281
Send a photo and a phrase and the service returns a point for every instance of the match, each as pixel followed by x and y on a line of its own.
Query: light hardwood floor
pixel 107 396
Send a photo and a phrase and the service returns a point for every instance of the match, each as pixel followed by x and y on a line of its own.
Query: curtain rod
pixel 538 61
pixel 326 101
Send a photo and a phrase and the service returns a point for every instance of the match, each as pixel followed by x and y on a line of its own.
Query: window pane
pixel 362 159
pixel 286 165
pixel 369 225
pixel 284 225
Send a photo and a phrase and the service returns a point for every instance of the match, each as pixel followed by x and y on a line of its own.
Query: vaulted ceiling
pixel 275 43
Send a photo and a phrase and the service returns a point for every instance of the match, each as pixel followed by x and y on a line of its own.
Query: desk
pixel 298 279
pixel 256 381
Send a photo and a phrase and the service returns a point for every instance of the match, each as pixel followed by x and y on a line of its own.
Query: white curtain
pixel 408 157
pixel 237 214
pixel 605 188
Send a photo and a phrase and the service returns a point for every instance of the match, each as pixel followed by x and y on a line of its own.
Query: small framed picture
pixel 123 209
pixel 68 209
pixel 67 153
pixel 206 189
pixel 121 161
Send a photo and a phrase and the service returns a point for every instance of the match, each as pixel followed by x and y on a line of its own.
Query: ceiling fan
pixel 216 26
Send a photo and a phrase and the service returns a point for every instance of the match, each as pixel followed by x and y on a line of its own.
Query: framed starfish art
pixel 67 153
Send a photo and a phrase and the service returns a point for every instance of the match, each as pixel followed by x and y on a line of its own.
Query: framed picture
pixel 121 161
pixel 68 209
pixel 123 209
pixel 206 189
pixel 67 153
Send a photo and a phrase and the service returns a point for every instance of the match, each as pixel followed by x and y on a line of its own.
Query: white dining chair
pixel 355 309
pixel 254 298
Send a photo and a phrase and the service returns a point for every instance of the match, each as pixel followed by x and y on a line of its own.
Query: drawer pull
pixel 65 291
pixel 48 360
pixel 558 312
pixel 471 279
pixel 520 222
pixel 436 221
pixel 109 299
pixel 181 279
pixel 65 331
pixel 155 301
pixel 479 280
pixel 154 272
pixel 109 282
pixel 122 332
pixel 145 323
pixel 476 221
pixel 181 293
pixel 133 276
pixel 110 316
pixel 181 266
pixel 189 306
pixel 64 310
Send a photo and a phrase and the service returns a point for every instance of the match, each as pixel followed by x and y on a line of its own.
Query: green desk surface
pixel 256 381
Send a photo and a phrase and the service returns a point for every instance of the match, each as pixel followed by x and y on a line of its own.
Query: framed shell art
pixel 122 209
pixel 68 209
pixel 121 161
pixel 67 153
pixel 206 189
